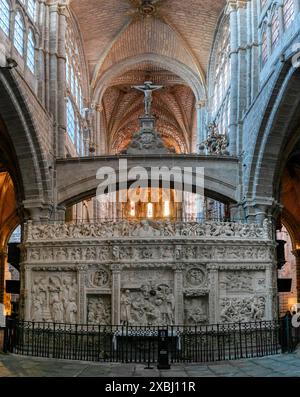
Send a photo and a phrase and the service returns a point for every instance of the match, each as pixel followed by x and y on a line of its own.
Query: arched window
pixel 288 13
pixel 221 80
pixel 264 51
pixel 275 29
pixel 74 92
pixel 31 8
pixel 31 51
pixel 263 4
pixel 71 120
pixel 19 34
pixel 4 16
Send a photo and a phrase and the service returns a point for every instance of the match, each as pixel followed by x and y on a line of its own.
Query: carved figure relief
pixel 54 298
pixel 196 311
pixel 100 278
pixel 242 309
pixel 151 304
pixel 99 309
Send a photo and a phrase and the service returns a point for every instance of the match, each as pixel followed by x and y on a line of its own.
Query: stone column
pixel 81 299
pixel 296 253
pixel 61 80
pixel 58 73
pixel 238 66
pixel 116 294
pixel 214 309
pixel 232 127
pixel 297 7
pixel 100 145
pixel 25 293
pixel 41 52
pixel 3 259
pixel 178 294
pixel 281 21
pixel 269 293
pixel 201 123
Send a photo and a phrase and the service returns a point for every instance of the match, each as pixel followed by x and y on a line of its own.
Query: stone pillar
pixel 99 138
pixel 297 7
pixel 116 294
pixel 25 293
pixel 214 309
pixel 3 259
pixel 61 80
pixel 281 21
pixel 296 253
pixel 41 19
pixel 58 73
pixel 232 127
pixel 237 10
pixel 270 293
pixel 178 294
pixel 81 299
pixel 201 123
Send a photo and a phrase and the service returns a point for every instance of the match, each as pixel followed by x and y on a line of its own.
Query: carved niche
pixel 196 310
pixel 99 309
pixel 147 297
pixel 54 297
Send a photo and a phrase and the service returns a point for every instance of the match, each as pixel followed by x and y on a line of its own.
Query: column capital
pixel 234 5
pixel 201 104
pixel 296 251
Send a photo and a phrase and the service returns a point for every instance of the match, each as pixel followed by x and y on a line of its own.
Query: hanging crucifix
pixel 147 89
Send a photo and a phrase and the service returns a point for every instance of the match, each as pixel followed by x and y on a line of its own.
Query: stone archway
pixel 276 138
pixel 20 141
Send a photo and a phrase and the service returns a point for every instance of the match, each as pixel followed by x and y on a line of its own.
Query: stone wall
pixel 148 273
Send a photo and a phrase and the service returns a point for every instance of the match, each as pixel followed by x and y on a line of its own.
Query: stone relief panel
pixel 242 282
pixel 99 309
pixel 54 297
pixel 237 309
pixel 196 280
pixel 168 252
pixel 98 277
pixel 196 310
pixel 146 228
pixel 147 297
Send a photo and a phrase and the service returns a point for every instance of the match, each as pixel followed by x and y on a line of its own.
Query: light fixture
pixel 149 210
pixel 166 209
pixel 10 64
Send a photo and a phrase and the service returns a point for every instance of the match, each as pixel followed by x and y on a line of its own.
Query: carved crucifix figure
pixel 147 89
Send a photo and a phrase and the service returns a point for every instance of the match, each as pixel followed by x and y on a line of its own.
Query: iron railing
pixel 130 344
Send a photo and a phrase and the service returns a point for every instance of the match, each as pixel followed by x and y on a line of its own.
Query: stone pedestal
pixel 2 316
pixel 147 140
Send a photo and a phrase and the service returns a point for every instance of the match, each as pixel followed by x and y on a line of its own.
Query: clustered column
pixel 238 24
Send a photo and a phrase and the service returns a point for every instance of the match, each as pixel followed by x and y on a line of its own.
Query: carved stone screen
pixel 148 273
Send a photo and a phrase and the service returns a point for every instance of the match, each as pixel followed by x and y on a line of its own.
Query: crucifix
pixel 147 89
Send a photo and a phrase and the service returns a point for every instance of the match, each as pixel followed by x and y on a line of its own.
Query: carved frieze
pixel 147 229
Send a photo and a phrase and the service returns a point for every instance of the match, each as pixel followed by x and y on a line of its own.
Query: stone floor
pixel 274 366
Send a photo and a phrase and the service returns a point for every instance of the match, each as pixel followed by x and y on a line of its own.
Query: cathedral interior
pixel 95 85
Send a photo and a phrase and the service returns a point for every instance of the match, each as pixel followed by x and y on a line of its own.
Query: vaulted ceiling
pixel 168 41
